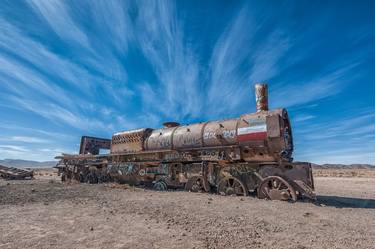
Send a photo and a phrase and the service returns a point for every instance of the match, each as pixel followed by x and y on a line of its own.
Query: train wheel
pixel 231 186
pixel 160 186
pixel 195 184
pixel 91 178
pixel 276 188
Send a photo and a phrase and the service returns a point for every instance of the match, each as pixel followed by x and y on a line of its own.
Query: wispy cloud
pixel 14 127
pixel 25 139
pixel 346 139
pixel 28 66
pixel 15 148
pixel 57 15
pixel 53 65
pixel 161 39
pixel 321 86
pixel 55 113
pixel 226 79
pixel 265 60
pixel 343 156
pixel 20 80
pixel 37 154
pixel 241 58
pixel 114 22
pixel 303 118
pixel 97 54
pixel 348 126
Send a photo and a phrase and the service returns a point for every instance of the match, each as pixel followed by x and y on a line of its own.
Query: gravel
pixel 49 214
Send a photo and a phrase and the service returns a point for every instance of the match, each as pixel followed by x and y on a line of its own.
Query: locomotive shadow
pixel 345 202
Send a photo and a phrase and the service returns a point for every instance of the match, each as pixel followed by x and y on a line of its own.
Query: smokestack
pixel 261 97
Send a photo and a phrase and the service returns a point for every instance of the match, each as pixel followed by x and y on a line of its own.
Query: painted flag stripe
pixel 252 136
pixel 252 129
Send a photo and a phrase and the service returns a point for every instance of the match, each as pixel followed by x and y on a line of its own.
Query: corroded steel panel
pixel 189 136
pixel 92 145
pixel 129 141
pixel 273 126
pixel 160 139
pixel 219 133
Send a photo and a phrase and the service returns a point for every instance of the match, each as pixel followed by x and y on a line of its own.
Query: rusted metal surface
pixel 260 136
pixel 129 141
pixel 251 153
pixel 188 136
pixel 171 124
pixel 160 139
pixel 261 97
pixel 93 145
pixel 11 173
pixel 219 133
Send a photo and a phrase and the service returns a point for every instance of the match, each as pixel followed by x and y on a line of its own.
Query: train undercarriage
pixel 193 172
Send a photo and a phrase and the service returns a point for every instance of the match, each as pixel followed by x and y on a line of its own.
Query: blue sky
pixel 72 68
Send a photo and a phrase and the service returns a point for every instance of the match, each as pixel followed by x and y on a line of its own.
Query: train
pixel 248 155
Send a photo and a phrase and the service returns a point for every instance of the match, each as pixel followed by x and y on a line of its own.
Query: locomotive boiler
pixel 250 154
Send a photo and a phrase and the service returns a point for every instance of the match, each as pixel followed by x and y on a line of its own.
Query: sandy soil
pixel 45 213
pixel 46 174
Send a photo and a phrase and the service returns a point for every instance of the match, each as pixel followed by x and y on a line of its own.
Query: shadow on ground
pixel 346 202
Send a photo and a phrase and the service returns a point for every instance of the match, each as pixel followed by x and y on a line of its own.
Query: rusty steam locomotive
pixel 240 156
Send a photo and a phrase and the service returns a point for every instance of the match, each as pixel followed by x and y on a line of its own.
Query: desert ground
pixel 45 213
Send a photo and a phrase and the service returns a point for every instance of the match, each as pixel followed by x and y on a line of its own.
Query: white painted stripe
pixel 252 129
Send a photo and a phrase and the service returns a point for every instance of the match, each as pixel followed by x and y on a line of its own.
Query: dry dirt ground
pixel 45 213
pixel 345 172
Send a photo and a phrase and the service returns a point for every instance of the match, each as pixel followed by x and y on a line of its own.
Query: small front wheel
pixel 276 188
pixel 160 186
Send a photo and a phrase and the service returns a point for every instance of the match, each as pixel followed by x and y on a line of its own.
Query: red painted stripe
pixel 252 136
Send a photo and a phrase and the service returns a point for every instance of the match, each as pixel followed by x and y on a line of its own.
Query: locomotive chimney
pixel 261 97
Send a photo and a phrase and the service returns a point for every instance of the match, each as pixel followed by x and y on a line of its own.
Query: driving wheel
pixel 231 186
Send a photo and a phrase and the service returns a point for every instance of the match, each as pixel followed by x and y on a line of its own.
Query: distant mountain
pixel 343 166
pixel 18 163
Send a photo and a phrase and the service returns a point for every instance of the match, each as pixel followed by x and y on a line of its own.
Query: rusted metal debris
pixel 11 173
pixel 239 156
